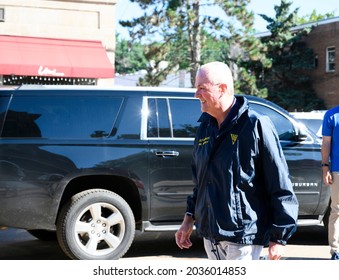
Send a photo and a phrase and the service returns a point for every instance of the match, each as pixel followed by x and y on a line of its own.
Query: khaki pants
pixel 333 224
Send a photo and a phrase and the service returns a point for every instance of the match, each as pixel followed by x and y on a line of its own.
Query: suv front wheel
pixel 96 224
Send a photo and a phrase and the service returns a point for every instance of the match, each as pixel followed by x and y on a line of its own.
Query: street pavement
pixel 308 243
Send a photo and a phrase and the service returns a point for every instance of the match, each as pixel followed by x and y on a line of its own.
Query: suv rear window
pixel 75 117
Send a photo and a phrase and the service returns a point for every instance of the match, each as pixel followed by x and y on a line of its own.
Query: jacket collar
pixel 241 103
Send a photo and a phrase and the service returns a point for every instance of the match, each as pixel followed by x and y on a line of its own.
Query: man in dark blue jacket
pixel 243 199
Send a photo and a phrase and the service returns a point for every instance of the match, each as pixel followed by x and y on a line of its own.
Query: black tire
pixel 96 225
pixel 44 235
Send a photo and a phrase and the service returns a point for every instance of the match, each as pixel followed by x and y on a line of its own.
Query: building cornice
pixel 302 26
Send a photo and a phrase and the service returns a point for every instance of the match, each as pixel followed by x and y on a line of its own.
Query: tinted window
pixel 158 124
pixel 3 103
pixel 61 117
pixel 172 117
pixel 283 126
pixel 185 114
pixel 3 107
pixel 129 119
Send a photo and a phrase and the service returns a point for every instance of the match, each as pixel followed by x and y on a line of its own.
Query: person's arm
pixel 282 199
pixel 325 158
pixel 182 236
pixel 275 251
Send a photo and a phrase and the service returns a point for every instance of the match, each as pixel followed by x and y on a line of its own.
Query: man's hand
pixel 327 177
pixel 182 236
pixel 275 251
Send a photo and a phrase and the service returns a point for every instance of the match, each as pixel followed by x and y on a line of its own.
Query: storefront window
pixel 39 80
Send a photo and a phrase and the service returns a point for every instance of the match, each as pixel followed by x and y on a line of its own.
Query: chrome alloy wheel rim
pixel 99 229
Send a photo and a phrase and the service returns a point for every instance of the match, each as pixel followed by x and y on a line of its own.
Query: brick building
pixel 324 40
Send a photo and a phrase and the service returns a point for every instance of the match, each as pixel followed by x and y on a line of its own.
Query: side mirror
pixel 301 133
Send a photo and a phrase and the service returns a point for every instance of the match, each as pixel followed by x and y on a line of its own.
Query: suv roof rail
pixel 31 86
pixel 112 87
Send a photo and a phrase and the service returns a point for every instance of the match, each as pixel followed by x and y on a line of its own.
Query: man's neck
pixel 227 106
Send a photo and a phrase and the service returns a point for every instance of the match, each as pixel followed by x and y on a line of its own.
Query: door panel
pixel 171 127
pixel 303 159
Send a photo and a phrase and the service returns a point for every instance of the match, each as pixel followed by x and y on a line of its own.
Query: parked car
pixel 94 165
pixel 313 120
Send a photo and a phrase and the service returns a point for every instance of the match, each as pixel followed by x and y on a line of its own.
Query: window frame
pixel 144 118
pixel 329 51
pixel 2 14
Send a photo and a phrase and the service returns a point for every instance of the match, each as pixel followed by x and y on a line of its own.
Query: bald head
pixel 215 73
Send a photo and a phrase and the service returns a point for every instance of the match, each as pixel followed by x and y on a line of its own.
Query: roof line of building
pixel 305 25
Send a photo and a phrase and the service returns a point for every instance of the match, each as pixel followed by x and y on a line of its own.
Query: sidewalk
pixel 303 252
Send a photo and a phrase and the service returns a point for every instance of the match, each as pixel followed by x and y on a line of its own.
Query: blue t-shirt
pixel 331 128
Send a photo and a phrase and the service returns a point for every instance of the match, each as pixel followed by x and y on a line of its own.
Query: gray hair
pixel 217 73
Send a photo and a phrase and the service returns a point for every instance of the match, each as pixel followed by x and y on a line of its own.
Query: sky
pixel 125 10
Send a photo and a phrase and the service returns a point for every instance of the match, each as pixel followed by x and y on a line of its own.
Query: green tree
pixel 313 17
pixel 288 82
pixel 245 48
pixel 129 58
pixel 212 48
pixel 157 67
pixel 178 32
pixel 171 32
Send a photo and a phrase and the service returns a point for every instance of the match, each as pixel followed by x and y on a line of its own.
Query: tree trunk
pixel 194 35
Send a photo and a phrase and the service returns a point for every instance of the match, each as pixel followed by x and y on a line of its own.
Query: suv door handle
pixel 166 154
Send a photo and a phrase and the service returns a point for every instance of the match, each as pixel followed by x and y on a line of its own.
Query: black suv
pixel 94 165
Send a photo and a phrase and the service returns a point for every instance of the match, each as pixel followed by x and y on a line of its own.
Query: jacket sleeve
pixel 282 199
pixel 191 199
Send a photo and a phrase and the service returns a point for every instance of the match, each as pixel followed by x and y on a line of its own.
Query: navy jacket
pixel 243 192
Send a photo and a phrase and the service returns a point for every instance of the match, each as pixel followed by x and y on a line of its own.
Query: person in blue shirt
pixel 330 169
pixel 243 198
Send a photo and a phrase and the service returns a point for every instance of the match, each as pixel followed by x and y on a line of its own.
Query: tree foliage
pixel 288 80
pixel 184 34
pixel 129 58
pixel 313 17
pixel 245 47
pixel 179 32
pixel 167 29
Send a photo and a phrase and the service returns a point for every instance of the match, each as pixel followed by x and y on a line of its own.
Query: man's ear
pixel 223 88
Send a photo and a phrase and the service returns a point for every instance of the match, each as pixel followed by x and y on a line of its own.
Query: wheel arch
pixel 124 187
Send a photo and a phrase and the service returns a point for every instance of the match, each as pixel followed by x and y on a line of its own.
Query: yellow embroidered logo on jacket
pixel 234 138
pixel 203 141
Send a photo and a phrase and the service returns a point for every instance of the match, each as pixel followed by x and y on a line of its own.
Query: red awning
pixel 31 56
